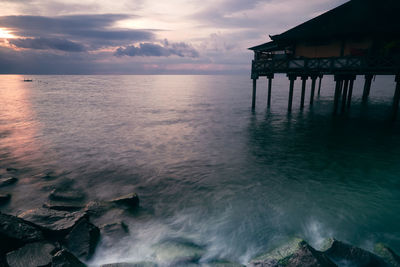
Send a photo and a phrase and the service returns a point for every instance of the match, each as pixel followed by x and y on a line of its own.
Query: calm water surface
pixel 206 167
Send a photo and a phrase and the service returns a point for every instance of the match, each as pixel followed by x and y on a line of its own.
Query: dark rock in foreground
pixel 134 264
pixel 32 255
pixel 343 253
pixel 130 200
pixel 7 181
pixel 294 253
pixel 82 239
pixel 64 258
pixel 387 254
pixel 15 232
pixel 4 198
pixel 53 221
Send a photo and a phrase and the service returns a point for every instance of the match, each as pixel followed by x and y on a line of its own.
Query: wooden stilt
pixel 344 95
pixel 396 97
pixel 292 78
pixel 319 86
pixel 253 103
pixel 350 93
pixel 313 82
pixel 303 90
pixel 270 77
pixel 338 81
pixel 367 87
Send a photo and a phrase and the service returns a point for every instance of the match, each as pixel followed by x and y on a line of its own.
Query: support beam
pixel 338 80
pixel 344 95
pixel 253 102
pixel 350 93
pixel 396 97
pixel 303 90
pixel 292 78
pixel 319 86
pixel 269 77
pixel 313 82
pixel 367 87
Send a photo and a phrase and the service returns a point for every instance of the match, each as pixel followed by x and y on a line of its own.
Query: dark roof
pixel 270 46
pixel 356 18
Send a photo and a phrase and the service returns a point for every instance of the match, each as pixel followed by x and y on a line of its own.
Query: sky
pixel 143 36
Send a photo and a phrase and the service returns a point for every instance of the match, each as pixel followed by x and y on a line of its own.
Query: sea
pixel 208 168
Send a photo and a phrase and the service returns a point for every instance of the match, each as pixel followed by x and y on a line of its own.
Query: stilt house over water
pixel 360 37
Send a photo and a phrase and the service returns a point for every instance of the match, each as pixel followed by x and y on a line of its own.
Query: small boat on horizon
pixel 28 80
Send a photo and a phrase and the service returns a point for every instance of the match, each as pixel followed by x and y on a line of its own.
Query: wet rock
pixel 53 222
pixel 13 170
pixel 15 232
pixel 175 252
pixel 296 252
pixel 345 254
pixel 82 239
pixel 96 209
pixel 134 264
pixel 64 258
pixel 222 263
pixel 66 195
pixel 7 181
pixel 130 200
pixel 387 254
pixel 32 255
pixel 3 261
pixel 113 233
pixel 4 198
pixel 63 205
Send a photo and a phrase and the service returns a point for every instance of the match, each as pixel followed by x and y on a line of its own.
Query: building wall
pixel 333 49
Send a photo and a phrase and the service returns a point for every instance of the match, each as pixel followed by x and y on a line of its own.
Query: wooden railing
pixel 333 65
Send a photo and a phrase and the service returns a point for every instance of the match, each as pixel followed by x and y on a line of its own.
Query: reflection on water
pixel 206 167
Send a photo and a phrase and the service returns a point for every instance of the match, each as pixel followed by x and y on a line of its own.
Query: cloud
pixel 156 50
pixel 48 43
pixel 94 31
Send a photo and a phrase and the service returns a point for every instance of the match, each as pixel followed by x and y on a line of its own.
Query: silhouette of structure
pixel 360 37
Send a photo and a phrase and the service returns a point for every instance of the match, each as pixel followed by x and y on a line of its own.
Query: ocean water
pixel 206 167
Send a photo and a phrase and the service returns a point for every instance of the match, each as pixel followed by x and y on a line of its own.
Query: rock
pixel 134 264
pixel 32 255
pixel 177 252
pixel 296 252
pixel 130 200
pixel 64 258
pixel 7 181
pixel 3 261
pixel 113 233
pixel 82 239
pixel 345 254
pixel 4 198
pixel 96 209
pixel 15 232
pixel 62 205
pixel 53 222
pixel 66 195
pixel 387 254
pixel 222 263
pixel 11 169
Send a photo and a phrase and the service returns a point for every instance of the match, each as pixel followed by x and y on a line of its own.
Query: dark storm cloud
pixel 48 43
pixel 92 30
pixel 156 50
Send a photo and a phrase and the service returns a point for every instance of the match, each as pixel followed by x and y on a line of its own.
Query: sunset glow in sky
pixel 142 36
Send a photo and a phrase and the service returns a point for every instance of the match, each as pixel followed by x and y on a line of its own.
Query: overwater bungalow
pixel 360 37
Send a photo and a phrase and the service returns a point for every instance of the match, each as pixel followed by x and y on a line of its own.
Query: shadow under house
pixel 360 37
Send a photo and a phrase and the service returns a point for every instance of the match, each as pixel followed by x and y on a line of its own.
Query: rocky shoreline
pixel 62 233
